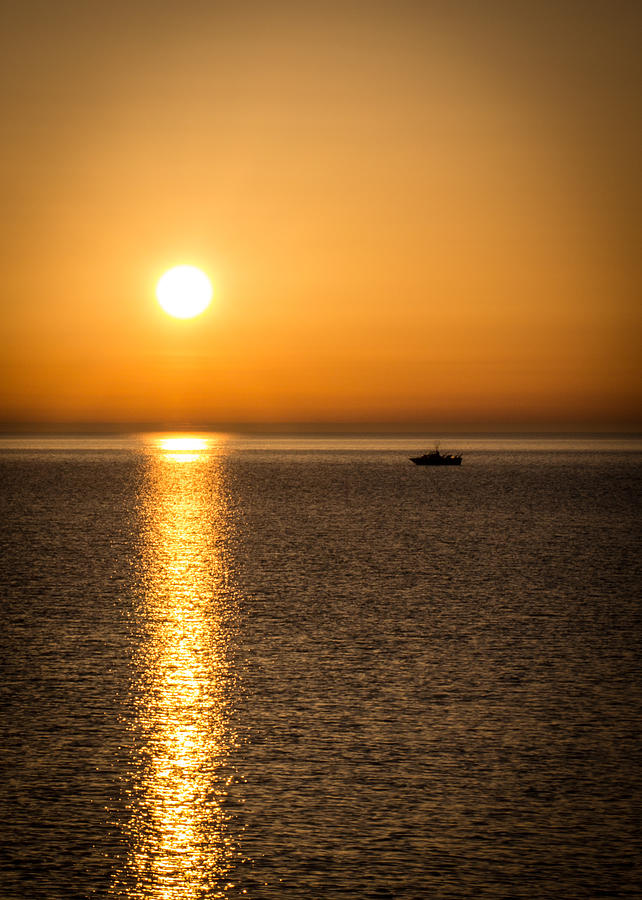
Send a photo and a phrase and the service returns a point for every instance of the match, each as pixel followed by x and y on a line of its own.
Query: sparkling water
pixel 305 668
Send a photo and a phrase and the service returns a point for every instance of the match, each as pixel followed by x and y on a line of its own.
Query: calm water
pixel 309 669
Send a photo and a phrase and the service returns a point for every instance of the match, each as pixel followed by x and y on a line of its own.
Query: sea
pixel 302 667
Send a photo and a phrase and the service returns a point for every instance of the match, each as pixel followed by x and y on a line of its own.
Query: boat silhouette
pixel 436 458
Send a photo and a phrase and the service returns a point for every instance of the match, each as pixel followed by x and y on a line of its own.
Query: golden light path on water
pixel 178 843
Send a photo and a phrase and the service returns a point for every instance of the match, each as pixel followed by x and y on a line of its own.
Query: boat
pixel 435 458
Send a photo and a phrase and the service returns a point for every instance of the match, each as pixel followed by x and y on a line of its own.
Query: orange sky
pixel 409 216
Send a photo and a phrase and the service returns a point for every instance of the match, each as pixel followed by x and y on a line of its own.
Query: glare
pixel 184 292
pixel 183 444
pixel 177 833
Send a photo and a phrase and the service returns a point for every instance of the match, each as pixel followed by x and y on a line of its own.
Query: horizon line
pixel 322 427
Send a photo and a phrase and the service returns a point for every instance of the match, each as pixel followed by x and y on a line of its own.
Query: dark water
pixel 299 669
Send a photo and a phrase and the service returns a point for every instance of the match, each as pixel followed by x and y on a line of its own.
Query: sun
pixel 184 292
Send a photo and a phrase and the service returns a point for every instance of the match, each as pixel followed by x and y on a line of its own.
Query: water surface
pixel 284 668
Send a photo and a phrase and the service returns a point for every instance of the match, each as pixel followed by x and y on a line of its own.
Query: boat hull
pixel 431 460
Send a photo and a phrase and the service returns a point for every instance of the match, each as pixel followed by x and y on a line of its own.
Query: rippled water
pixel 308 669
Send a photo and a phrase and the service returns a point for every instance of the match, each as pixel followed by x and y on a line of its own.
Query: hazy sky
pixel 421 213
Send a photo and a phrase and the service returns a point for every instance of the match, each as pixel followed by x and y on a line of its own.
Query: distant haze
pixel 409 215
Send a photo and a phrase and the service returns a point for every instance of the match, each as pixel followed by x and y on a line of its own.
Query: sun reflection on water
pixel 183 449
pixel 177 835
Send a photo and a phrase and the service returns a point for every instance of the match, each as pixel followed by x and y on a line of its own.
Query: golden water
pixel 179 845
